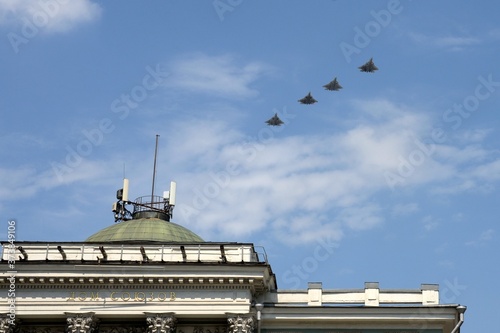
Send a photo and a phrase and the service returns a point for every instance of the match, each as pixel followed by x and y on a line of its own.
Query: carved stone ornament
pixel 80 322
pixel 160 322
pixel 122 329
pixel 240 323
pixel 210 329
pixel 5 324
pixel 44 329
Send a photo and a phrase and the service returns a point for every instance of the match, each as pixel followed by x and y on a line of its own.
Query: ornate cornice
pixel 99 282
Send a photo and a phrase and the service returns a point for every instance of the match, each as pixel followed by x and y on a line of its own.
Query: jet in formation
pixel 333 85
pixel 369 66
pixel 308 99
pixel 275 121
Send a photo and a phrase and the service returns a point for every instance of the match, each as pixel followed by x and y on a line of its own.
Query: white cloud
pixel 459 155
pixel 296 188
pixel 303 177
pixel 25 182
pixel 488 171
pixel 483 238
pixel 215 75
pixel 452 43
pixel 404 209
pixel 447 264
pixel 476 135
pixel 430 223
pixel 51 16
pixel 362 217
pixel 494 34
pixel 487 235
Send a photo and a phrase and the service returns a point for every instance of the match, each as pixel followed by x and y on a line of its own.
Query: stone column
pixel 160 322
pixel 240 323
pixel 80 322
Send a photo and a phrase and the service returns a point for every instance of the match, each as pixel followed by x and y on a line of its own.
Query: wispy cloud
pixel 483 238
pixel 494 34
pixel 216 75
pixel 451 43
pixel 471 175
pixel 233 184
pixel 430 223
pixel 404 209
pixel 307 178
pixel 475 135
pixel 25 181
pixel 489 171
pixel 302 187
pixel 51 16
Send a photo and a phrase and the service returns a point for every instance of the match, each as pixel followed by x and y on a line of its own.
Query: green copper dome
pixel 145 229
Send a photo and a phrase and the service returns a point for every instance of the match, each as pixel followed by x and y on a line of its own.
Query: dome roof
pixel 145 229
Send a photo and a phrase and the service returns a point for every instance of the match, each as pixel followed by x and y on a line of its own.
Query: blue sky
pixel 395 178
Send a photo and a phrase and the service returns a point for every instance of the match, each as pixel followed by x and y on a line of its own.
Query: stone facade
pixel 136 287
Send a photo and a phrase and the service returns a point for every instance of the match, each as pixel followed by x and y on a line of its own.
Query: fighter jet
pixel 275 121
pixel 308 99
pixel 368 67
pixel 333 85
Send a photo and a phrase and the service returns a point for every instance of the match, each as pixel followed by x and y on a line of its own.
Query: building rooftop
pixel 145 229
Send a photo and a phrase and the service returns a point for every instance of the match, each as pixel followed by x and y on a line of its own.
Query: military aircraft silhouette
pixel 275 121
pixel 369 66
pixel 308 99
pixel 333 85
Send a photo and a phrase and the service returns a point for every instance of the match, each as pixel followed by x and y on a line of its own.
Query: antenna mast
pixel 154 206
pixel 154 170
